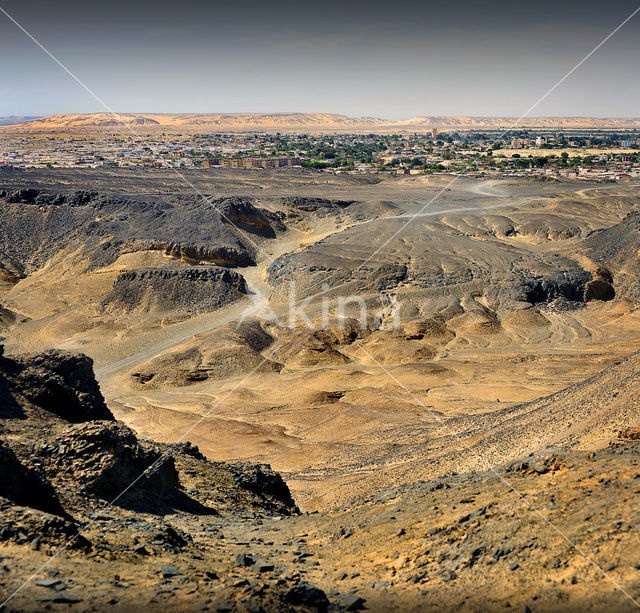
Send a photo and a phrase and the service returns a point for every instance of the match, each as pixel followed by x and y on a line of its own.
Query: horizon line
pixel 334 113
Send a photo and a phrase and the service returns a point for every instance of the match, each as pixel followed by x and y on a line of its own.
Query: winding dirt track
pixel 258 299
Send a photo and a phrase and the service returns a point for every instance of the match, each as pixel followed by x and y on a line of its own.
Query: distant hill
pixel 197 122
pixel 13 120
pixel 465 123
pixel 296 122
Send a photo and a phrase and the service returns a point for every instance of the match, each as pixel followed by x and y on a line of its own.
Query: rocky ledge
pixel 196 289
pixel 62 453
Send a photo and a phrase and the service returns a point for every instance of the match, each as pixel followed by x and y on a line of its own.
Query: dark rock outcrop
pixel 263 481
pixel 36 225
pixel 59 382
pixel 194 289
pixel 223 256
pixel 7 317
pixel 617 249
pixel 570 286
pixel 106 458
pixel 25 525
pixel 598 289
pixel 23 486
pixel 313 204
pixel 243 214
pixel 26 196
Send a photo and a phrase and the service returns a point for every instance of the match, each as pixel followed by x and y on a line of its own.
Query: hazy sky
pixel 392 59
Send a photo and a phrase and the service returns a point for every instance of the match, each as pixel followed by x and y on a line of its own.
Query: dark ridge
pixel 36 224
pixel 304 203
pixel 193 289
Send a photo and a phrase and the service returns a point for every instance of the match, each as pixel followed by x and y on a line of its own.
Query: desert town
pixel 575 153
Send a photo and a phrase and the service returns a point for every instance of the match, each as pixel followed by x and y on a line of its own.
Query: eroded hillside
pixel 493 295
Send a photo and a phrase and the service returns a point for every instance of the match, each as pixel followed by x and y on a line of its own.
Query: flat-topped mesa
pixel 194 289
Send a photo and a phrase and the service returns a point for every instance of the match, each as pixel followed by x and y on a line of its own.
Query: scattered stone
pixel 304 594
pixel 243 560
pixel 168 571
pixel 52 583
pixel 352 602
pixel 65 599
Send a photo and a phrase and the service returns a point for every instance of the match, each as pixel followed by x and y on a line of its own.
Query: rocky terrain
pixel 506 256
pixel 555 530
pixel 63 455
pixel 617 248
pixel 39 224
pixel 194 289
pixel 481 374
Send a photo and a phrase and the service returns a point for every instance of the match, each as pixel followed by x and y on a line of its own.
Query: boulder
pixel 306 595
pixel 59 382
pixel 598 289
pixel 103 459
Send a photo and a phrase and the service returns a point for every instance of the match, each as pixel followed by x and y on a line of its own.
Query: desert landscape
pixel 485 355
pixel 501 290
pixel 319 307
